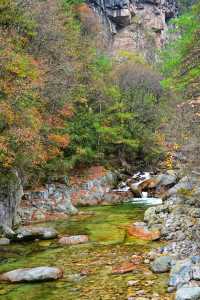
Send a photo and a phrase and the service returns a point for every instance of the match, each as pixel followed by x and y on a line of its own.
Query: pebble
pixel 132 282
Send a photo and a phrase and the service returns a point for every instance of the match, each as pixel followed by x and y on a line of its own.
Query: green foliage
pixel 185 4
pixel 66 103
pixel 11 16
pixel 181 65
pixel 72 2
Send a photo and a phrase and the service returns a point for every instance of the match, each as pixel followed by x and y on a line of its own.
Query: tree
pixel 181 65
pixel 181 68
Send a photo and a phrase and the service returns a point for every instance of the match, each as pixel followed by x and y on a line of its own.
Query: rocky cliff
pixel 135 25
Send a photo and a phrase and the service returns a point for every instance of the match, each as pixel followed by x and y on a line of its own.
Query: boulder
pixel 166 179
pixel 184 184
pixel 195 259
pixel 32 274
pixel 181 273
pixel 161 264
pixel 73 240
pixel 34 232
pixel 67 207
pixel 150 214
pixel 196 272
pixel 7 231
pixel 149 183
pixel 188 293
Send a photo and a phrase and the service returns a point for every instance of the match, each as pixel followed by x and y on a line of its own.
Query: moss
pixel 185 192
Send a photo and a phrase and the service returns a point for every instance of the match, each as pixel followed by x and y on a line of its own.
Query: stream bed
pixel 87 267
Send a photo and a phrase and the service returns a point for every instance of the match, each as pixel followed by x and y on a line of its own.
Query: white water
pixel 139 178
pixel 146 201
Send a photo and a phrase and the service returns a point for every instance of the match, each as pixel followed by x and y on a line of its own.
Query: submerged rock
pixel 188 293
pixel 73 240
pixel 161 264
pixel 125 267
pixel 140 230
pixel 34 232
pixel 32 274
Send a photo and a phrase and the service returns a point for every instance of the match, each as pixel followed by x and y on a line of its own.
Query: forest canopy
pixel 63 102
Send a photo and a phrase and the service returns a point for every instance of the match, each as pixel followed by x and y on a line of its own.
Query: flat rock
pixel 73 240
pixel 32 274
pixel 31 232
pixel 4 241
pixel 188 293
pixel 133 282
pixel 125 267
pixel 141 231
pixel 161 264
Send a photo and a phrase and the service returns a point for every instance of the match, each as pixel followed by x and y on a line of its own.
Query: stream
pixel 87 267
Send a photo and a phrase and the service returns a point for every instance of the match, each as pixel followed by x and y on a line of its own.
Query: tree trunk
pixel 11 192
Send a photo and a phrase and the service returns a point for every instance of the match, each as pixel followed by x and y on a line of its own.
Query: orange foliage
pixel 66 111
pixel 61 140
pixel 53 152
pixel 6 113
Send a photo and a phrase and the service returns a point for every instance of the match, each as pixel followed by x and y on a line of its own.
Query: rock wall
pixel 135 25
pixel 11 192
pixel 57 201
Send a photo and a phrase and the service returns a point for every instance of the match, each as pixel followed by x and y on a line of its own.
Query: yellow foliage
pixel 61 140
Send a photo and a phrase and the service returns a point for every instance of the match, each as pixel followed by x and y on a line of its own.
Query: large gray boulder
pixel 181 273
pixel 32 274
pixel 188 293
pixel 185 183
pixel 167 179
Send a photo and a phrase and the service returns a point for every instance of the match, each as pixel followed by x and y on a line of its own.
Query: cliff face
pixel 135 25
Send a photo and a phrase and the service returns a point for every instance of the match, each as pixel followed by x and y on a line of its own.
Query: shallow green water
pixel 109 246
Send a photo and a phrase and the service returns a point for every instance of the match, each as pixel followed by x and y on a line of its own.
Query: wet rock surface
pixel 32 274
pixel 73 240
pixel 125 267
pixel 140 230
